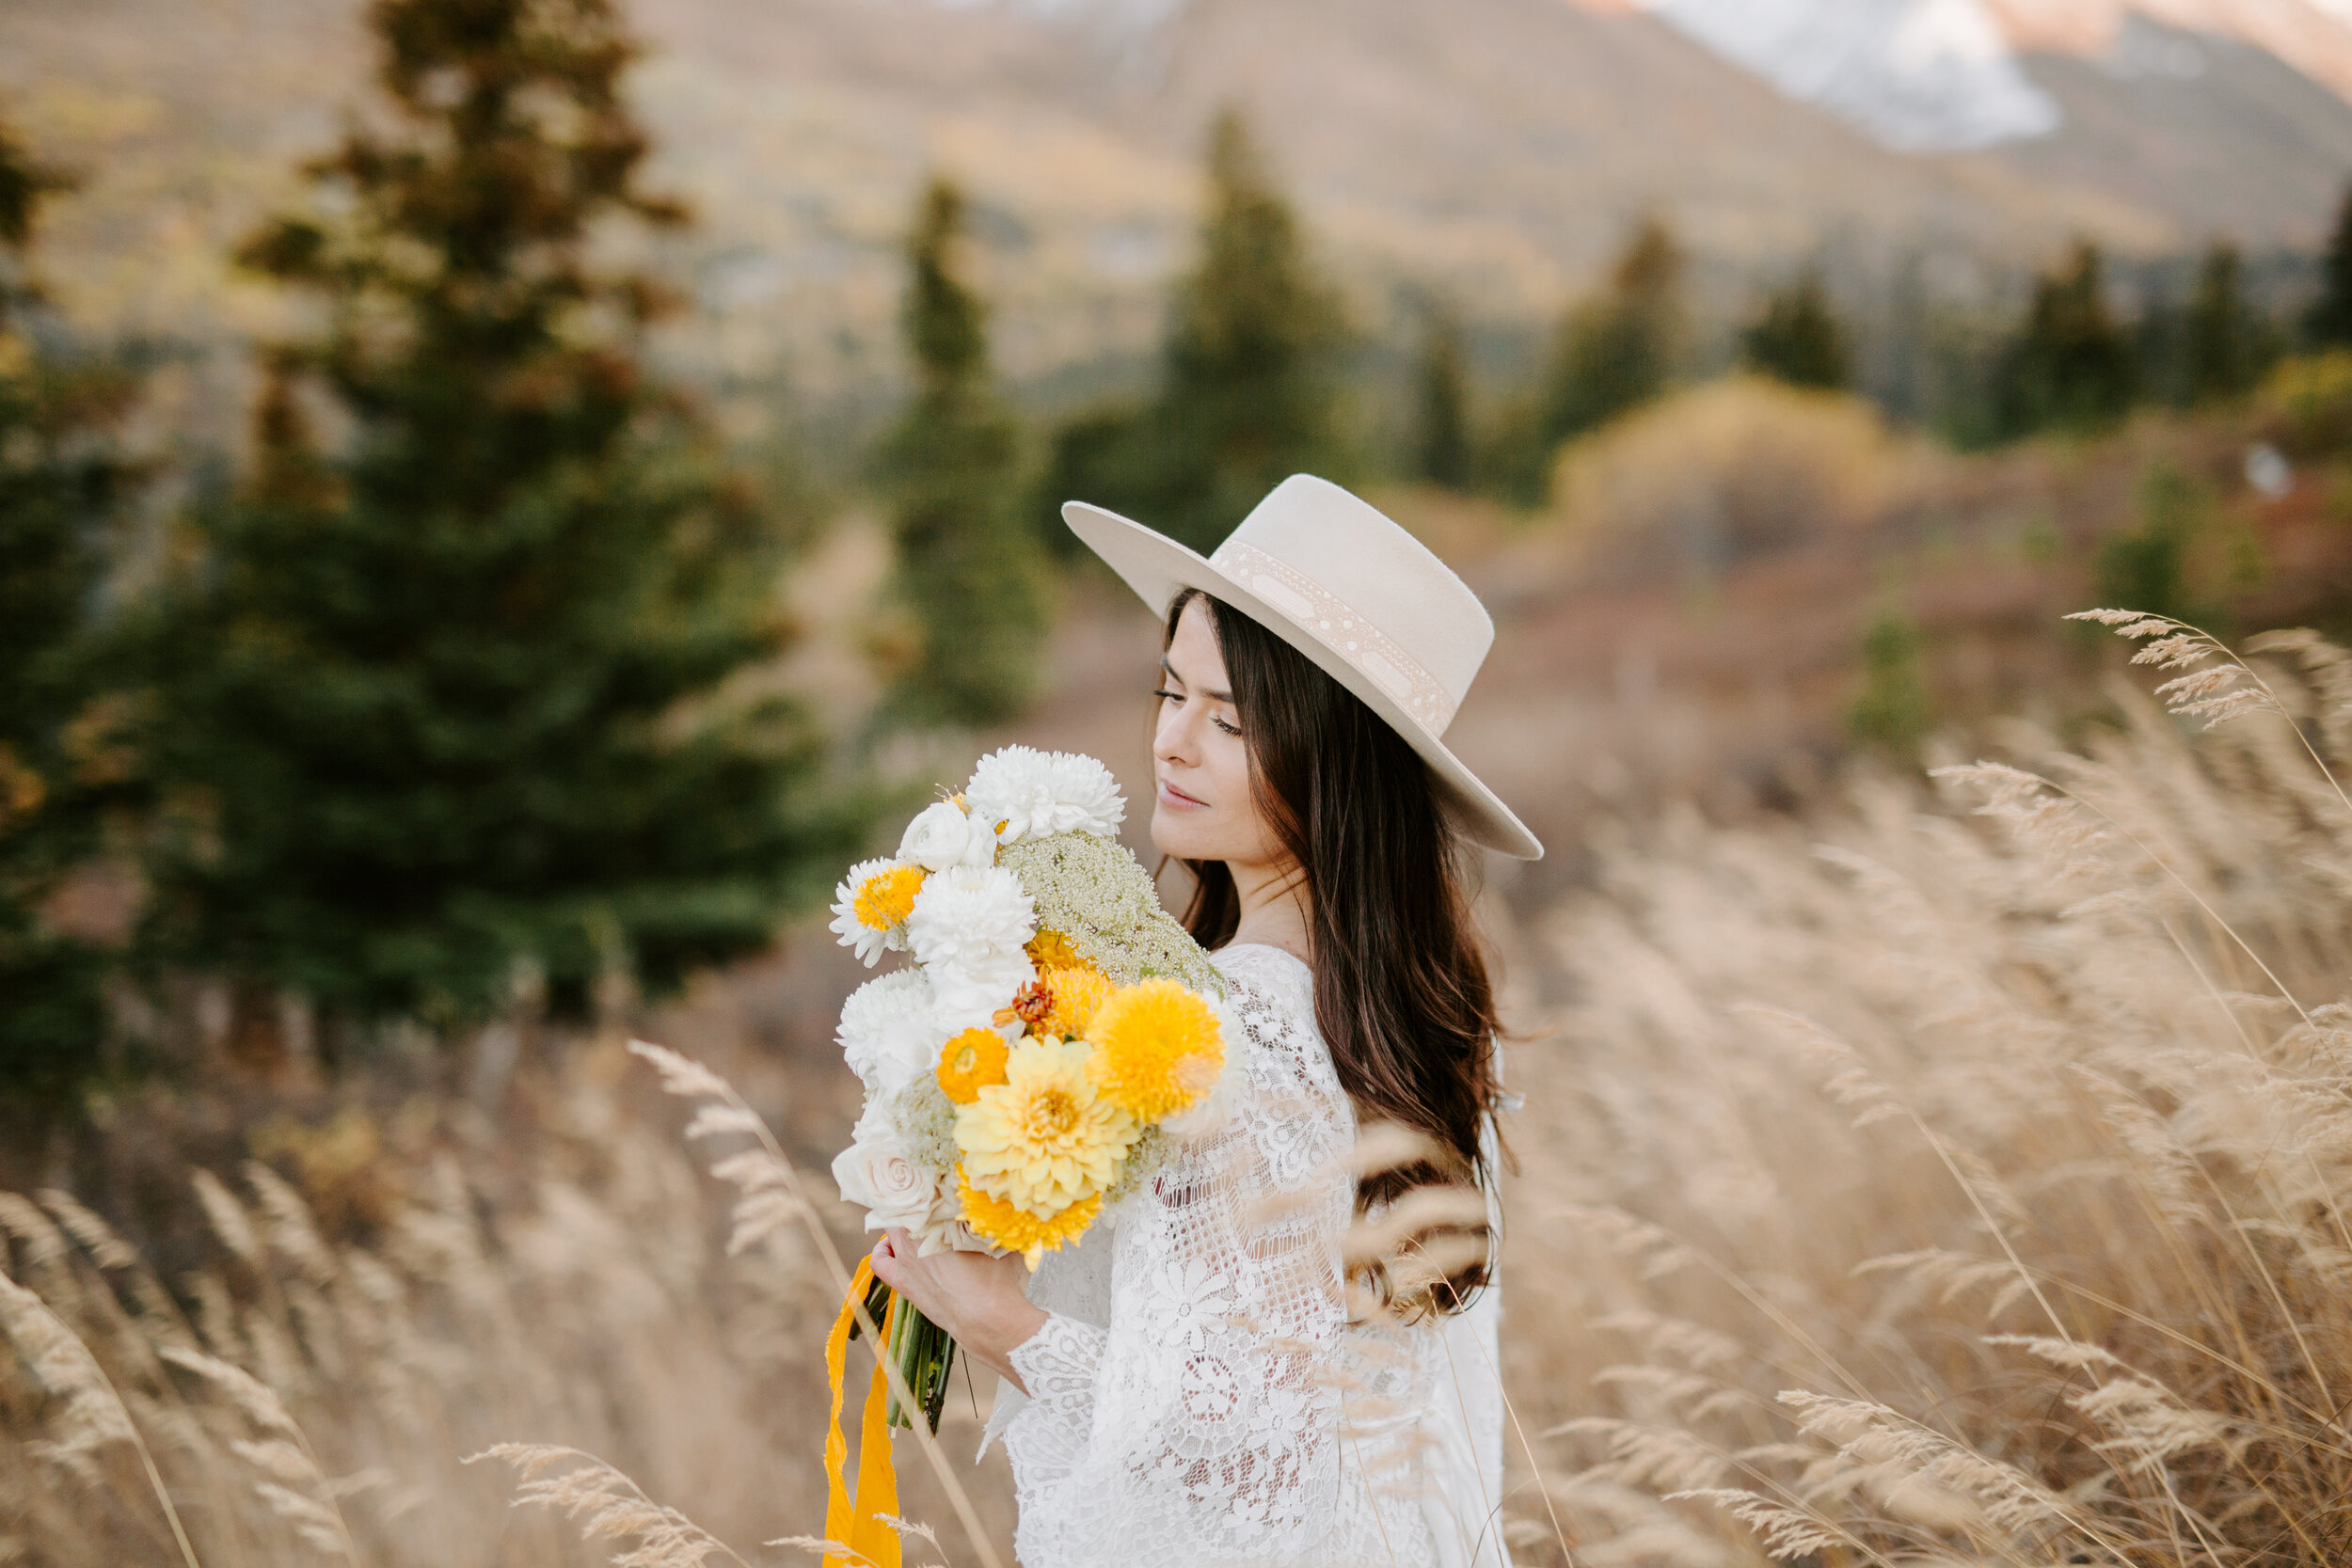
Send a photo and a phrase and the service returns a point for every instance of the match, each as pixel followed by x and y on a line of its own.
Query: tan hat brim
pixel 1156 567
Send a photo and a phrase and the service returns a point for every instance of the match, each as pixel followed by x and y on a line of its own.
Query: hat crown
pixel 1369 591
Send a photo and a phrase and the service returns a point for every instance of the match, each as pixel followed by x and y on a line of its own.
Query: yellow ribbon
pixel 858 1525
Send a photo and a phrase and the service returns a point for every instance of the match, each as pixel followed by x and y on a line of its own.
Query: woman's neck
pixel 1272 901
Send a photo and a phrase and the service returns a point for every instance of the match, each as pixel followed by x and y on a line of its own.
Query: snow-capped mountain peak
pixel 1916 74
pixel 1940 74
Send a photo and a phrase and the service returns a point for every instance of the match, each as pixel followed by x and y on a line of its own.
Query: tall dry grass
pixel 1966 1183
pixel 294 1398
pixel 1958 1179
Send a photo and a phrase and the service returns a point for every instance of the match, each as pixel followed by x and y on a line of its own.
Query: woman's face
pixel 1204 809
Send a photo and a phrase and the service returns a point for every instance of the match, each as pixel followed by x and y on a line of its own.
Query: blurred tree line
pixel 439 711
pixel 460 699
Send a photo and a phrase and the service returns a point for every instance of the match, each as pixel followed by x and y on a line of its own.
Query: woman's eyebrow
pixel 1170 671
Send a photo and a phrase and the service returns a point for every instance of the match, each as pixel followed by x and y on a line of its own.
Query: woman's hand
pixel 978 1299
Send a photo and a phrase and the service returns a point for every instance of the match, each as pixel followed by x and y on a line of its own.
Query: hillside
pixel 1493 150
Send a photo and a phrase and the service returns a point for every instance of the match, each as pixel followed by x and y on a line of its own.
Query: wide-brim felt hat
pixel 1333 576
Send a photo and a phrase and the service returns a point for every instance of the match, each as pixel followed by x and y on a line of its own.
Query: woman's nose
pixel 1172 740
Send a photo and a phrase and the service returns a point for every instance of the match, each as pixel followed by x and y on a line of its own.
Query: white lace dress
pixel 1197 1398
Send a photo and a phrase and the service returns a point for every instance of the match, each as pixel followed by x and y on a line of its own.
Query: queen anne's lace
pixel 1208 1405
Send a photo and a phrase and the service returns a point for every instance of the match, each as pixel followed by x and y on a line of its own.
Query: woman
pixel 1223 1374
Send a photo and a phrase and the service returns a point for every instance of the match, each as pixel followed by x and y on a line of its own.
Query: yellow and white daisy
pixel 871 905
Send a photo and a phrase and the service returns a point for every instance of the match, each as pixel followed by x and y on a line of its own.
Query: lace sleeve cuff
pixel 1057 1363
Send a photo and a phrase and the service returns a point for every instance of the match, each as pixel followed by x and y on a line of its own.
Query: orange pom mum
pixel 969 1062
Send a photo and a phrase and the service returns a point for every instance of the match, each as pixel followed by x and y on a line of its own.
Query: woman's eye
pixel 1229 728
pixel 1170 696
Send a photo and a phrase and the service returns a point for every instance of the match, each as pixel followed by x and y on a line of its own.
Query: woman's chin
pixel 1175 833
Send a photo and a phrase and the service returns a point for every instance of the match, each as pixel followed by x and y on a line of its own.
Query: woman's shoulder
pixel 1261 966
pixel 1272 1001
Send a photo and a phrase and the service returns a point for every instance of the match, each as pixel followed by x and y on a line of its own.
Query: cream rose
pixel 942 836
pixel 895 1191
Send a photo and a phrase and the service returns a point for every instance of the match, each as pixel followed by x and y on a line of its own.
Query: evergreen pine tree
pixel 1611 354
pixel 1616 353
pixel 1445 434
pixel 2070 366
pixel 969 574
pixel 2221 339
pixel 1251 391
pixel 61 758
pixel 1798 339
pixel 2160 350
pixel 450 704
pixel 2329 322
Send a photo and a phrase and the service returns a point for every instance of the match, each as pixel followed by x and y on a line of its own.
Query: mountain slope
pixel 1494 151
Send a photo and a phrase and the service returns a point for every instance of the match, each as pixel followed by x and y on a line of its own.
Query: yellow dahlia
pixel 1050 949
pixel 1015 1229
pixel 969 1062
pixel 1043 1139
pixel 1077 991
pixel 885 899
pixel 1157 1049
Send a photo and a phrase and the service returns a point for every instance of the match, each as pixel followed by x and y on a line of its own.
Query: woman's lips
pixel 1171 795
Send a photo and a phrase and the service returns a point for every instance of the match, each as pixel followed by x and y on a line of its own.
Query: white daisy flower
pixel 886 1032
pixel 869 908
pixel 967 931
pixel 1035 794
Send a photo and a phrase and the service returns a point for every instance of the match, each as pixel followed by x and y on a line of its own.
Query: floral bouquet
pixel 1052 1032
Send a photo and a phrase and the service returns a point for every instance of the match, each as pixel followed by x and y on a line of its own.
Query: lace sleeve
pixel 1202 1425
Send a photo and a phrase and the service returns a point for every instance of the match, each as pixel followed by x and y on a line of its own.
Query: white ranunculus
pixel 867 943
pixel 1034 794
pixel 886 1031
pixel 942 836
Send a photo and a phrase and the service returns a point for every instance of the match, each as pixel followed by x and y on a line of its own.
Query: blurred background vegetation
pixel 501 499
pixel 423 657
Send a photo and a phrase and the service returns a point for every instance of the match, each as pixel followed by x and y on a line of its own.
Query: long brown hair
pixel 1402 995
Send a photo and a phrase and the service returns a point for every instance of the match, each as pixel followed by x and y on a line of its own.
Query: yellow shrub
pixel 2309 402
pixel 1735 469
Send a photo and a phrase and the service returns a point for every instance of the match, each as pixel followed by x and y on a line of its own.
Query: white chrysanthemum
pixel 886 1031
pixel 1034 794
pixel 868 913
pixel 967 929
